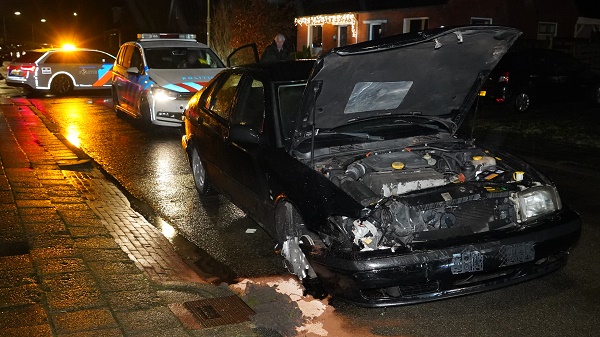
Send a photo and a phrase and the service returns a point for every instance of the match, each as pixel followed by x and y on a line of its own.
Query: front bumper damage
pixel 437 270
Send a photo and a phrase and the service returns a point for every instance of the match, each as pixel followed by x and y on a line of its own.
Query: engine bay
pixel 428 192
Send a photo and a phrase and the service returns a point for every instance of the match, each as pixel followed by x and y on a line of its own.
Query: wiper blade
pixel 362 135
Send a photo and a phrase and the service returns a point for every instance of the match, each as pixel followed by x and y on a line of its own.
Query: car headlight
pixel 161 94
pixel 536 201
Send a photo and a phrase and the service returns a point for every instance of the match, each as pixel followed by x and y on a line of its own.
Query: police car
pixel 154 77
pixel 60 71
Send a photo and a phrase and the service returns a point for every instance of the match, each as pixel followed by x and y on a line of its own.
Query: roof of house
pixel 316 7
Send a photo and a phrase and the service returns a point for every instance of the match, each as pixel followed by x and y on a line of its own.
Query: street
pixel 152 168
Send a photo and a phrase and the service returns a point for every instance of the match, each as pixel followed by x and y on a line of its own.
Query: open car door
pixel 245 54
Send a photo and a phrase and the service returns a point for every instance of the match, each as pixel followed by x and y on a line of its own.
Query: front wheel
pixel 61 85
pixel 145 112
pixel 199 173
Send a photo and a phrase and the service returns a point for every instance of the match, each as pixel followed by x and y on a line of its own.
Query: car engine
pixel 423 193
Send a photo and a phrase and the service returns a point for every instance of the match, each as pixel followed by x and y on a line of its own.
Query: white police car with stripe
pixel 155 76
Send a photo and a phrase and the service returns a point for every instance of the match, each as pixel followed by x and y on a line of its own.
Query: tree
pixel 239 22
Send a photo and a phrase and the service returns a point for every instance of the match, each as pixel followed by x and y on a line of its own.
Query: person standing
pixel 276 50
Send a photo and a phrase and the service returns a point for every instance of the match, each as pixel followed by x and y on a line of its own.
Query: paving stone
pixel 80 232
pixel 61 265
pixel 147 320
pixel 116 282
pixel 114 267
pixel 21 316
pixel 50 227
pixel 15 262
pixel 43 330
pixel 20 295
pixel 50 240
pixel 108 255
pixel 95 333
pixel 17 277
pixel 51 252
pixel 82 320
pixel 103 242
pixel 133 299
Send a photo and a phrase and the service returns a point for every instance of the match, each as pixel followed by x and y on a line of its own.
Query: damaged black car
pixel 353 164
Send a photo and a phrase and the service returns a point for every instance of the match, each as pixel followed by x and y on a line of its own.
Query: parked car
pixel 60 71
pixel 360 177
pixel 531 76
pixel 153 81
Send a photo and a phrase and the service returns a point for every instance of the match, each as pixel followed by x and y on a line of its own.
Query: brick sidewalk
pixel 75 258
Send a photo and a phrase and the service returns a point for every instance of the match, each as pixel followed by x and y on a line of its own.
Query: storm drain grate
pixel 211 312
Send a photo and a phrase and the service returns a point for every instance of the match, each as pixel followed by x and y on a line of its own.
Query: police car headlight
pixel 161 94
pixel 536 201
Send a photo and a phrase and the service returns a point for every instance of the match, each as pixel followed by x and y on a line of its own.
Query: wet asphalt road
pixel 153 168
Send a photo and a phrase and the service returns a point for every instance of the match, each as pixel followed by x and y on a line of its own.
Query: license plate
pixel 470 260
pixel 16 72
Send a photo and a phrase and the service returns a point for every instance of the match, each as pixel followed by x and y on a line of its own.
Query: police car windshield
pixel 181 58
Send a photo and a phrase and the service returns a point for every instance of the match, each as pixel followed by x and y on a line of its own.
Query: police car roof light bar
pixel 148 36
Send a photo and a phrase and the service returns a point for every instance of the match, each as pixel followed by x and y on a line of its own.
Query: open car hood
pixel 435 73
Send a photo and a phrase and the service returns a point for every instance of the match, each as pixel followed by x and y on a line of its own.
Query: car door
pixel 242 149
pixel 210 125
pixel 119 76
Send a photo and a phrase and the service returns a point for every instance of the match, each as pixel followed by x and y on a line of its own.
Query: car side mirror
pixel 243 134
pixel 133 71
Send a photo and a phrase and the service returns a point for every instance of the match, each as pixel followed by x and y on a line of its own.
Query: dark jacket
pixel 272 54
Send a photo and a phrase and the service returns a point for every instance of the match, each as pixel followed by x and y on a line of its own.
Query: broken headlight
pixel 536 201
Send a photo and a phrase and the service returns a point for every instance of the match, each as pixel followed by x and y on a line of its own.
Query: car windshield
pixel 289 102
pixel 181 58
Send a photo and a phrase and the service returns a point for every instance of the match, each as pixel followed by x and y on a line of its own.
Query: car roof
pixel 284 71
pixel 157 43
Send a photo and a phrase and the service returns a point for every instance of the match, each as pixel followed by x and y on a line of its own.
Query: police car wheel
pixel 145 112
pixel 116 104
pixel 61 85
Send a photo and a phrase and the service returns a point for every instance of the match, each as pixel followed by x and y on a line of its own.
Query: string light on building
pixel 336 20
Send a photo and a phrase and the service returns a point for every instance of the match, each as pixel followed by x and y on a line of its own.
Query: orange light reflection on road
pixel 73 135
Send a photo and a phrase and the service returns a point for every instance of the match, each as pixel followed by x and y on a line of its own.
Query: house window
pixel 342 36
pixel 416 24
pixel 315 37
pixel 375 28
pixel 547 32
pixel 481 21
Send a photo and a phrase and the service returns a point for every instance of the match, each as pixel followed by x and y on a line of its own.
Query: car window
pixel 62 57
pixel 222 98
pixel 181 58
pixel 30 56
pixel 124 57
pixel 136 59
pixel 250 110
pixel 289 97
pixel 94 57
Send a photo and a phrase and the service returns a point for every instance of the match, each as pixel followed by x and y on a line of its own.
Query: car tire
pixel 115 99
pixel 521 101
pixel 145 112
pixel 292 237
pixel 199 174
pixel 61 85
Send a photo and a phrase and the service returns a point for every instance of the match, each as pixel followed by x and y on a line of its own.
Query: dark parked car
pixel 353 165
pixel 526 77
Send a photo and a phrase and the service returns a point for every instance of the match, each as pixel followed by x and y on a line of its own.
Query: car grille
pixel 404 292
